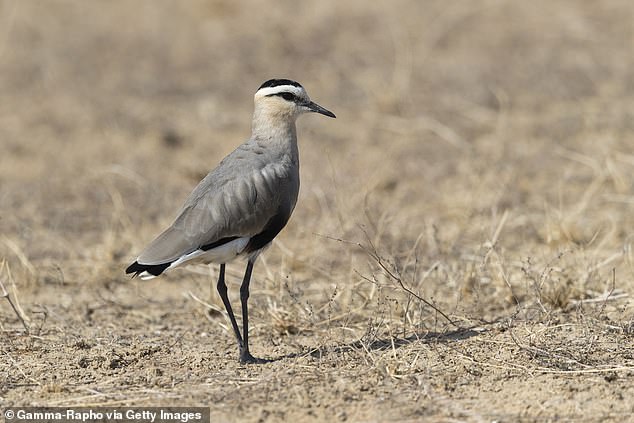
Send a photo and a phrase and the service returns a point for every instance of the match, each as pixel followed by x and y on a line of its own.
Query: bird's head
pixel 285 99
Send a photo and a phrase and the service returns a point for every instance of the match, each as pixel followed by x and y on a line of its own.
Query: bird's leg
pixel 245 355
pixel 222 290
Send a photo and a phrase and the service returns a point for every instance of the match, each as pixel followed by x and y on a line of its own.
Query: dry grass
pixel 461 250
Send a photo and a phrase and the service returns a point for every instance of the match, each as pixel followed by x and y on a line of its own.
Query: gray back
pixel 253 184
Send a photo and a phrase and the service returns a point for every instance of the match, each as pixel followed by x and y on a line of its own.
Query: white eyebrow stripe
pixel 263 92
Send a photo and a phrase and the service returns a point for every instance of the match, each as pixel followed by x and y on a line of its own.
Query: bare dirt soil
pixel 481 162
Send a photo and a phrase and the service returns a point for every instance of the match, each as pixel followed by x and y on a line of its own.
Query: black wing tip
pixel 278 82
pixel 152 269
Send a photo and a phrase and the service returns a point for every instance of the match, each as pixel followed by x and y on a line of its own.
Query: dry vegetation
pixel 461 250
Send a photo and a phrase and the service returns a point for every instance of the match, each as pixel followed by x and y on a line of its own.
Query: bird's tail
pixel 146 271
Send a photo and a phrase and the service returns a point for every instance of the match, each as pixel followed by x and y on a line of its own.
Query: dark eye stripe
pixel 286 96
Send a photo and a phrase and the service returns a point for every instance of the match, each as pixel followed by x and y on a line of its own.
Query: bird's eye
pixel 288 96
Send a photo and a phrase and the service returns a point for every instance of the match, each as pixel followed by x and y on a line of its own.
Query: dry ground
pixel 482 160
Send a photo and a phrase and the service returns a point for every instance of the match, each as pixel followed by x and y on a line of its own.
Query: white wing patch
pixel 221 254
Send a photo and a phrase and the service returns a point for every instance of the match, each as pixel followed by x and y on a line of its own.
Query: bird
pixel 240 206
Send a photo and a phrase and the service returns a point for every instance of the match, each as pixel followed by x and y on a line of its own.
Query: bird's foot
pixel 247 358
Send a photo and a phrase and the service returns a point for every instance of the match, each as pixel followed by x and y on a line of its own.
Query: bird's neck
pixel 274 127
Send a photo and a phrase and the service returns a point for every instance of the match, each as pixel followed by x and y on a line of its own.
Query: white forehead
pixel 298 91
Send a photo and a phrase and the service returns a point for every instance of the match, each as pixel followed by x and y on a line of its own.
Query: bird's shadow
pixel 380 344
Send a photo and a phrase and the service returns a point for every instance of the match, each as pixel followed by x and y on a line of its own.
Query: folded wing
pixel 222 209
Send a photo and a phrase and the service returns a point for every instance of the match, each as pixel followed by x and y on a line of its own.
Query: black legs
pixel 245 355
pixel 222 290
pixel 243 341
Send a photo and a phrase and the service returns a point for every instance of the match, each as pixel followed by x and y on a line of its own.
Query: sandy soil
pixel 481 162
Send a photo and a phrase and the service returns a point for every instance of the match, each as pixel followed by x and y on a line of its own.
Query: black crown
pixel 278 82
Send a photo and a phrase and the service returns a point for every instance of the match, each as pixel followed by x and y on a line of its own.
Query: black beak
pixel 314 107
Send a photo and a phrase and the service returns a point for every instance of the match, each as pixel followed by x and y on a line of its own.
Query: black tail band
pixel 152 269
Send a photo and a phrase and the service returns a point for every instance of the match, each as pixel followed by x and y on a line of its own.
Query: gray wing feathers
pixel 230 201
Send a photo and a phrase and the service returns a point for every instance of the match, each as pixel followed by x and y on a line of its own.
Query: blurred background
pixel 481 159
pixel 477 145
